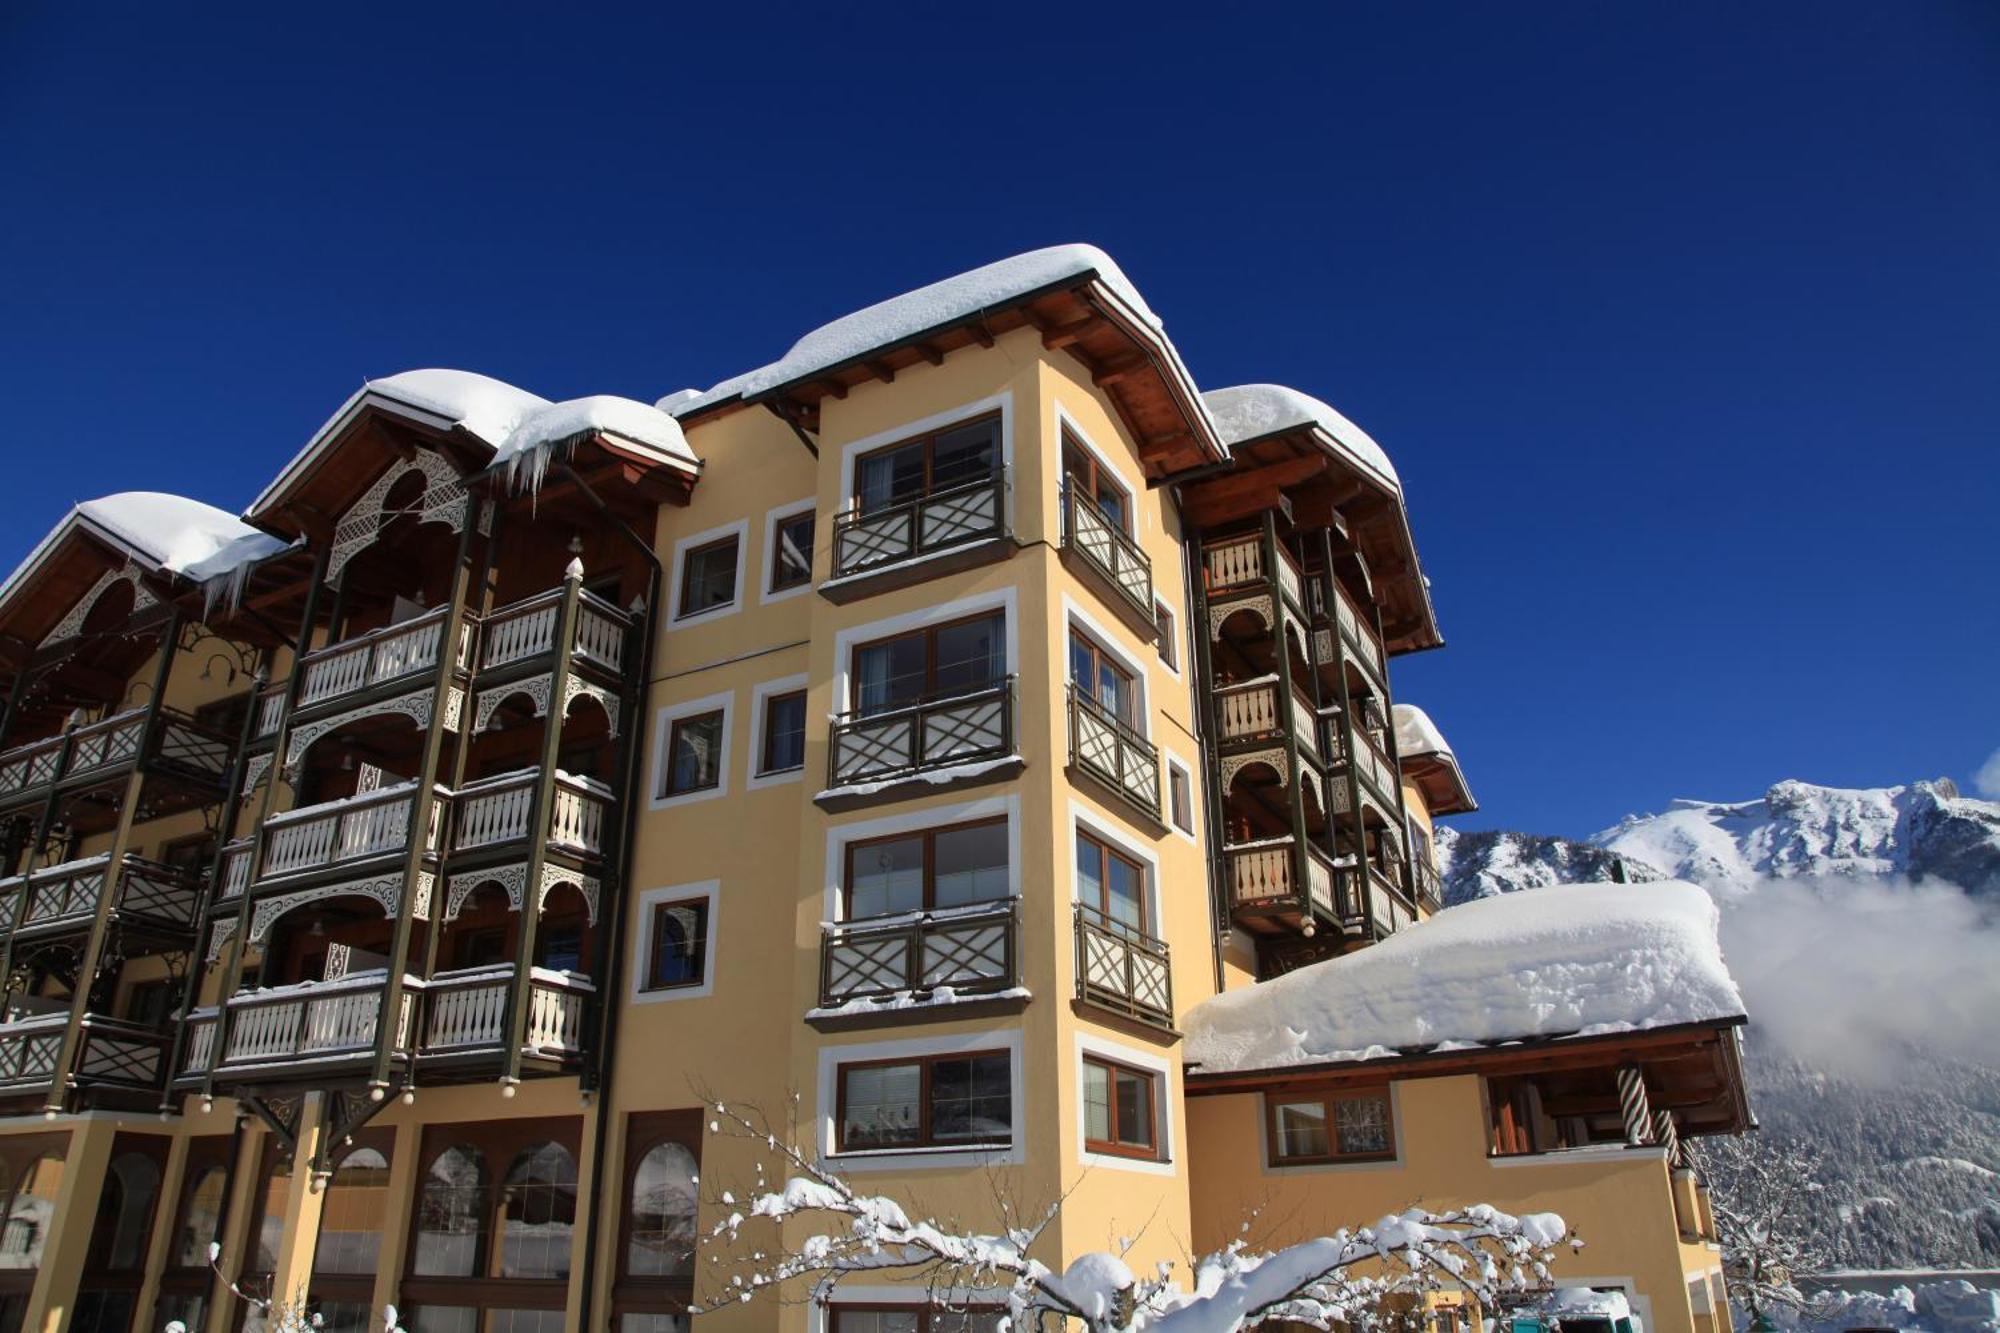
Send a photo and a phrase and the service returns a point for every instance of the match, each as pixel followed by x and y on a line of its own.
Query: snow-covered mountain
pixel 1922 831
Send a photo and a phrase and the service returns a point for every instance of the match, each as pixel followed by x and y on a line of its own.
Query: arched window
pixel 125 1214
pixel 538 1213
pixel 351 1219
pixel 201 1218
pixel 451 1214
pixel 31 1213
pixel 270 1232
pixel 660 1232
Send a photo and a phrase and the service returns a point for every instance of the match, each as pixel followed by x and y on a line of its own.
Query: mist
pixel 1848 975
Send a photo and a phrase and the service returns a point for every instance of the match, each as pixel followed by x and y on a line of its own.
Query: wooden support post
pixel 390 1030
pixel 522 988
pixel 611 872
pixel 52 1299
pixel 305 1197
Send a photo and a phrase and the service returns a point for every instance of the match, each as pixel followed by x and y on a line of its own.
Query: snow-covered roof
pixel 512 421
pixel 1572 960
pixel 1417 734
pixel 1000 283
pixel 164 532
pixel 1252 411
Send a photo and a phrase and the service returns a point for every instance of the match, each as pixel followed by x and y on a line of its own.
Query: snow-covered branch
pixel 1765 1191
pixel 1343 1277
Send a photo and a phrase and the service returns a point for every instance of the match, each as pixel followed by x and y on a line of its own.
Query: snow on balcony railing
pixel 354 828
pixel 110 742
pixel 1122 968
pixel 1250 711
pixel 70 893
pixel 1238 563
pixel 1092 533
pixel 1112 752
pixel 527 630
pixel 310 1020
pixel 1267 870
pixel 970 949
pixel 497 810
pixel 900 742
pixel 865 541
pixel 466 1012
pixel 375 658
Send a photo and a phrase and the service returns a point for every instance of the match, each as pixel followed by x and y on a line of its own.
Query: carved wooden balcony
pixel 1363 761
pixel 1252 712
pixel 1104 554
pixel 465 1014
pixel 378 661
pixel 112 1056
pixel 153 898
pixel 108 749
pixel 1274 876
pixel 1122 969
pixel 521 636
pixel 962 737
pixel 899 544
pixel 1113 753
pixel 913 957
pixel 1335 611
pixel 1235 569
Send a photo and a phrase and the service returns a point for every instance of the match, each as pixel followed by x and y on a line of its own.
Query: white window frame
pixel 844 641
pixel 921 1159
pixel 740 529
pixel 663 730
pixel 642 944
pixel 1164 1102
pixel 1175 764
pixel 1177 637
pixel 851 451
pixel 1075 618
pixel 1065 419
pixel 754 777
pixel 1083 819
pixel 840 836
pixel 1269 1164
pixel 769 560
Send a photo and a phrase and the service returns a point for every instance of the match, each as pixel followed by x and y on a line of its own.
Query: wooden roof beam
pixel 1058 336
pixel 881 370
pixel 931 353
pixel 1124 368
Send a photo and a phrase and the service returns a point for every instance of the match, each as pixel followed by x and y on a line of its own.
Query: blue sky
pixel 1679 320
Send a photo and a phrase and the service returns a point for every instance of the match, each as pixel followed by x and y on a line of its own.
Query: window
pixel 451 1214
pixel 1180 797
pixel 490 1252
pixel 1170 648
pixel 708 577
pixel 353 1215
pixel 927 465
pixel 1088 478
pixel 31 1213
pixel 151 1003
pixel 538 1213
pixel 662 1197
pixel 1332 1127
pixel 1551 1111
pixel 912 1319
pixel 938 868
pixel 1119 1109
pixel 201 1218
pixel 680 945
pixel 784 740
pixel 934 1101
pixel 791 551
pixel 1111 883
pixel 1102 679
pixel 937 662
pixel 694 754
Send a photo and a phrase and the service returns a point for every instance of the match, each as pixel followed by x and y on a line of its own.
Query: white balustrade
pixel 515 634
pixel 375 657
pixel 496 813
pixel 463 1015
pixel 347 830
pixel 1248 711
pixel 1233 564
pixel 555 1019
pixel 1260 872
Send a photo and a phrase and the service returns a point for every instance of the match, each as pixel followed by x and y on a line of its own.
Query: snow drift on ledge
pixel 168 532
pixel 1252 411
pixel 1571 960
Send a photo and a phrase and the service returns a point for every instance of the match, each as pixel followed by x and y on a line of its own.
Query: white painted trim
pixel 1105 829
pixel 1267 1162
pixel 753 779
pixel 1175 764
pixel 1141 671
pixel 839 836
pixel 663 730
pixel 1164 1104
pixel 1004 401
pixel 1133 488
pixel 1001 599
pixel 832 1057
pixel 642 941
pixel 768 560
pixel 741 530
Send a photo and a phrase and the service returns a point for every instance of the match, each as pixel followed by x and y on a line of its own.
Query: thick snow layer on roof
pixel 1252 411
pixel 1416 733
pixel 486 407
pixel 912 313
pixel 161 531
pixel 1571 960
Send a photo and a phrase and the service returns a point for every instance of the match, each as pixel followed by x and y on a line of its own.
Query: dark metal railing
pixel 971 949
pixel 1123 969
pixel 864 540
pixel 1112 752
pixel 1099 539
pixel 962 728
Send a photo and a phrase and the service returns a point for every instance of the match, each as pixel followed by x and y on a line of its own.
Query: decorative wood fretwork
pixel 1277 761
pixel 535 690
pixel 71 624
pixel 1257 606
pixel 513 879
pixel 416 705
pixel 384 889
pixel 443 502
pixel 552 875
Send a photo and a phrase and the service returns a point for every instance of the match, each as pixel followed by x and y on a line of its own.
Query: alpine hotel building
pixel 905 738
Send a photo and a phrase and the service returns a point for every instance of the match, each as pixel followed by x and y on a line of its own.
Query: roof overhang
pixel 1439 778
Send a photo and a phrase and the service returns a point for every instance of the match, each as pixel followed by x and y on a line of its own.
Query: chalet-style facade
pixel 906 737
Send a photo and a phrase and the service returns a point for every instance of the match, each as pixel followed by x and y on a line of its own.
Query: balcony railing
pixel 1430 886
pixel 865 541
pixel 1113 753
pixel 314 1020
pixel 379 657
pixel 1359 630
pixel 971 950
pixel 68 895
pixel 1267 871
pixel 112 1054
pixel 1106 546
pixel 526 630
pixel 1253 711
pixel 108 744
pixel 319 837
pixel 1120 968
pixel 894 743
pixel 1367 762
pixel 466 1012
pixel 270 707
pixel 496 810
pixel 1238 564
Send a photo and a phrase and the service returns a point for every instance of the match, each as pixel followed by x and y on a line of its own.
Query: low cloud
pixel 1987 780
pixel 1848 975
